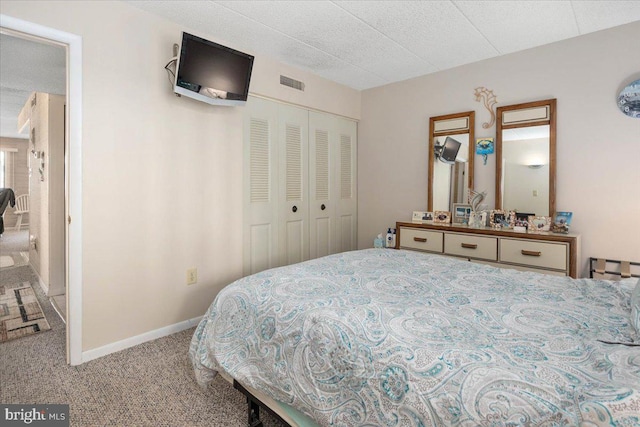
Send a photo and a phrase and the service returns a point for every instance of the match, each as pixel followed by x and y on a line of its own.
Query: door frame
pixel 73 173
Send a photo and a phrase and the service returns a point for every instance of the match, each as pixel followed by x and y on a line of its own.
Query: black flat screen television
pixel 450 150
pixel 212 73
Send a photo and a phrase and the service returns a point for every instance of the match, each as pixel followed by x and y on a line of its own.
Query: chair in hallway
pixel 22 207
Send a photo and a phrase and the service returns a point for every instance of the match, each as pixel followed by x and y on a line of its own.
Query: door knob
pixel 323 207
pixel 295 209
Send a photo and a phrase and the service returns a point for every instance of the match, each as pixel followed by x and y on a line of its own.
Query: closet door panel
pixel 321 187
pixel 346 173
pixel 293 130
pixel 260 178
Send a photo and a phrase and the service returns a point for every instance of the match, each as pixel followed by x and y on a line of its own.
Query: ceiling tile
pixel 329 28
pixel 436 31
pixel 511 26
pixel 598 15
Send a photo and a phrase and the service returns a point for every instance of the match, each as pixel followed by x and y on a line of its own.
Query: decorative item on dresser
pixel 548 253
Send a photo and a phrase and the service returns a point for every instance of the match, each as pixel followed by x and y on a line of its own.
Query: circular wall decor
pixel 629 100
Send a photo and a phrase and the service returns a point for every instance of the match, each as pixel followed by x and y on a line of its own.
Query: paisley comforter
pixel 399 338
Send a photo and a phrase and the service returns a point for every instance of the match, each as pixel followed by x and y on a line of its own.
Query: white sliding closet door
pixel 293 167
pixel 260 186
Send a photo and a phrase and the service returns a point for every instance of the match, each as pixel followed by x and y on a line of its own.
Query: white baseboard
pixel 139 339
pixel 43 286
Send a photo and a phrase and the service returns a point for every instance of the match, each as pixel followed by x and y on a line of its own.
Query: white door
pixel 260 186
pixel 346 211
pixel 322 228
pixel 332 184
pixel 293 165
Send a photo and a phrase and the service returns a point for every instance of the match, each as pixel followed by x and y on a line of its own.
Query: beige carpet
pixel 20 312
pixel 151 384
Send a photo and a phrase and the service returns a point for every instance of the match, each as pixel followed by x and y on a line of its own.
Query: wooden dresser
pixel 547 253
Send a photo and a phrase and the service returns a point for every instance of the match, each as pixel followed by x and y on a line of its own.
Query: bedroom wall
pixel 162 176
pixel 598 177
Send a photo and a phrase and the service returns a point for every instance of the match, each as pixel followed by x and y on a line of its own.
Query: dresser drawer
pixel 535 254
pixel 471 246
pixel 423 240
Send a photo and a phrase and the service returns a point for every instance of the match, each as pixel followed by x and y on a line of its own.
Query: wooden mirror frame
pixel 528 120
pixel 433 133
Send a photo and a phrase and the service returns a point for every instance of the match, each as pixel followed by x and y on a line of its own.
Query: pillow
pixel 635 308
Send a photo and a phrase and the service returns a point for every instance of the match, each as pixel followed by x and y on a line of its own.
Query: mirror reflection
pixel 450 160
pixel 526 157
pixel 451 168
pixel 525 169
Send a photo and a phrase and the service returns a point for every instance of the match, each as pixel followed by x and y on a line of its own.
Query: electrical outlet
pixel 192 276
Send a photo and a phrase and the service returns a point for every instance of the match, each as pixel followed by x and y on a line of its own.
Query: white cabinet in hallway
pixel 300 199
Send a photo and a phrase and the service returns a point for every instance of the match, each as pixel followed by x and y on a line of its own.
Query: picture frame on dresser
pixel 502 218
pixel 422 217
pixel 522 219
pixel 539 224
pixel 461 213
pixel 442 217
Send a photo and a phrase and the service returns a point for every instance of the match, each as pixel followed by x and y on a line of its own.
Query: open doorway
pixel 32 146
pixel 69 188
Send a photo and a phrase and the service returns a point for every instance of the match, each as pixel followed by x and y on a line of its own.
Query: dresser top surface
pixel 461 228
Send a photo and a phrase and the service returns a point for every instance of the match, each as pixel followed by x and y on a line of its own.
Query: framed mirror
pixel 526 158
pixel 451 152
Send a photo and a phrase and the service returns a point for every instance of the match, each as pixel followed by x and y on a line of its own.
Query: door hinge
pixel 69 219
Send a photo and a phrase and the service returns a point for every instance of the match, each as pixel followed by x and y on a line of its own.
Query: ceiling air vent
pixel 288 81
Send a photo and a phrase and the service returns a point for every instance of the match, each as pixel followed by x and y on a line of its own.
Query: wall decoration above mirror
pixel 526 157
pixel 489 100
pixel 451 152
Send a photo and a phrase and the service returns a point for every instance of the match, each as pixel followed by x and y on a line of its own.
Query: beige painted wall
pixel 20 176
pixel 162 176
pixel 598 146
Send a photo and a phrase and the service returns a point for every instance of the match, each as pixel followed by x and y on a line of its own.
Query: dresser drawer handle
pixel 530 253
pixel 420 239
pixel 469 245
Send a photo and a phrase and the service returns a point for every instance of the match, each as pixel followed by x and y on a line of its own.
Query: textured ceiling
pixel 27 66
pixel 361 44
pixel 364 44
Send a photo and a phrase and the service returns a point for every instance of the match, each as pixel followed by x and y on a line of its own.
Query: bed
pixel 400 338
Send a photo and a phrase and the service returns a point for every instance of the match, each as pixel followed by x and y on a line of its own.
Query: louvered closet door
pixel 322 227
pixel 260 234
pixel 332 184
pixel 293 130
pixel 347 198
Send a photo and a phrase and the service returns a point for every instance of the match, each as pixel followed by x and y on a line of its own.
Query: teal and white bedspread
pixel 398 338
